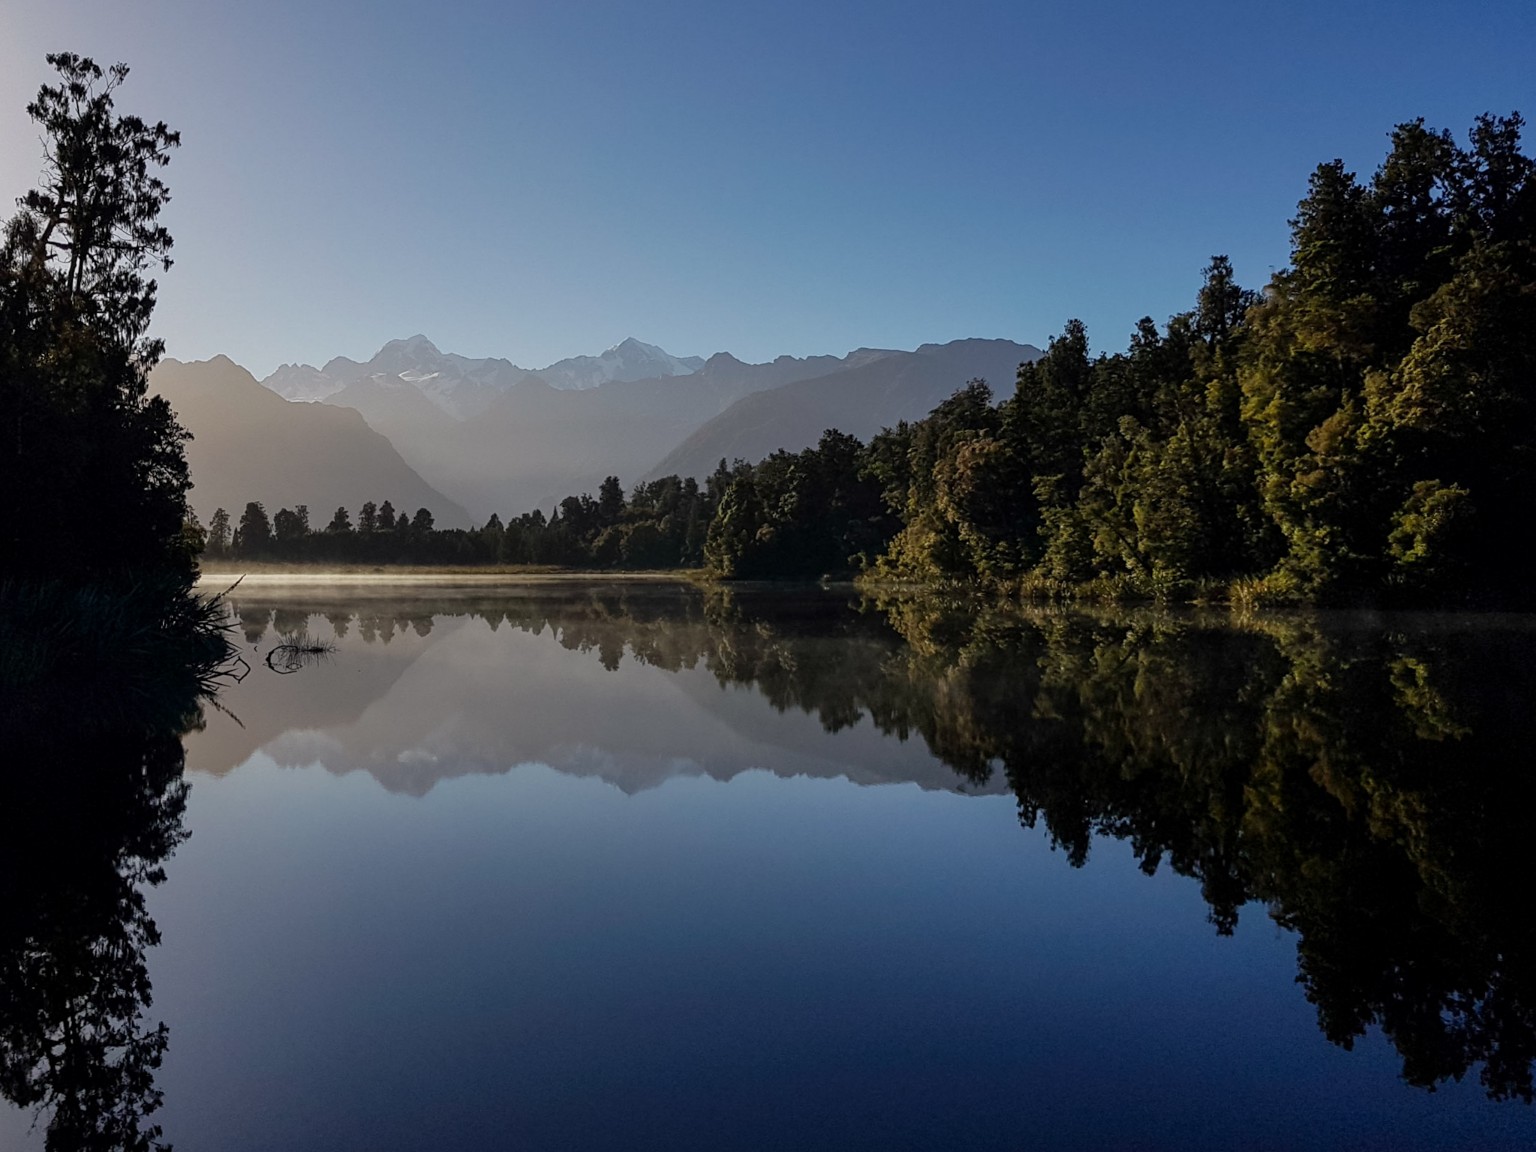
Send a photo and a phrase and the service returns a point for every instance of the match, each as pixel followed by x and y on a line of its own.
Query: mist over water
pixel 625 865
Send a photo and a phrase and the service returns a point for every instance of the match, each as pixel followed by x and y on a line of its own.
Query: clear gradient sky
pixel 541 179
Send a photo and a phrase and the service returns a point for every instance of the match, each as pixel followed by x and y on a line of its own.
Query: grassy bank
pixel 134 649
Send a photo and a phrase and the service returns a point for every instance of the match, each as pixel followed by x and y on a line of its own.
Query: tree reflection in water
pixel 89 812
pixel 1366 779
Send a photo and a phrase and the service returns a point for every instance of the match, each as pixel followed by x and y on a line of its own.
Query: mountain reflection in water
pixel 1365 778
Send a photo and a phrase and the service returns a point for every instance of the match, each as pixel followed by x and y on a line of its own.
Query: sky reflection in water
pixel 599 868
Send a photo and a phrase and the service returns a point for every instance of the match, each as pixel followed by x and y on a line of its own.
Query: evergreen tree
pixel 219 533
pixel 254 535
pixel 82 436
pixel 610 501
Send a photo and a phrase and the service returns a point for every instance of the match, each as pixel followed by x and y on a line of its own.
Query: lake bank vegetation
pixel 85 444
pixel 1359 432
pixel 107 655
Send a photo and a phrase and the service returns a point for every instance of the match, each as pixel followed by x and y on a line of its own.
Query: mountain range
pixel 248 443
pixel 483 436
pixel 463 387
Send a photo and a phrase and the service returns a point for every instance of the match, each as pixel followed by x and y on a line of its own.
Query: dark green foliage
pixel 1128 466
pixel 1365 429
pixel 128 644
pixel 799 516
pixel 97 543
pixel 81 438
pixel 1387 392
pixel 662 525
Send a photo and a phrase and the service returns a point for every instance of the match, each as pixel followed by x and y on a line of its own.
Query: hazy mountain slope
pixel 496 438
pixel 859 400
pixel 537 444
pixel 420 431
pixel 251 444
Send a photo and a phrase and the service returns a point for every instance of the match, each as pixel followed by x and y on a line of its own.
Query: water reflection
pixel 89 811
pixel 427 689
pixel 1366 779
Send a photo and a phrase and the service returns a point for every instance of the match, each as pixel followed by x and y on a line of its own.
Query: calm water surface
pixel 634 867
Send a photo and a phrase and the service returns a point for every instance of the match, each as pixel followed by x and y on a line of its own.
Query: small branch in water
pixel 295 650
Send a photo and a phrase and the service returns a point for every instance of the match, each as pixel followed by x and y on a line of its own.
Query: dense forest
pixel 1363 428
pixel 1360 430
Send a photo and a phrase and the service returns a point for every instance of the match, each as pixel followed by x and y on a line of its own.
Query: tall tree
pixel 218 533
pixel 254 536
pixel 81 435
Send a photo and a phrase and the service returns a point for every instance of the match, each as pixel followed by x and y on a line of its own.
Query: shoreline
pixel 414 574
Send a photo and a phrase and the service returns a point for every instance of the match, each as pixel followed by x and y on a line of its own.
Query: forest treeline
pixel 1361 429
pixel 828 519
pixel 661 524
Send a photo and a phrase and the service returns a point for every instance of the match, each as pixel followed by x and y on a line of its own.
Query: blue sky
pixel 538 180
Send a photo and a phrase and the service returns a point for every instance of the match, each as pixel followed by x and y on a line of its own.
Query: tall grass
pixel 145 650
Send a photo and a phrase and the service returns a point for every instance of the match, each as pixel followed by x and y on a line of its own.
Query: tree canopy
pixel 83 440
pixel 1362 429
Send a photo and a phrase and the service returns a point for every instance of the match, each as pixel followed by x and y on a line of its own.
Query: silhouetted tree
pixel 82 436
pixel 610 501
pixel 289 528
pixel 219 533
pixel 254 535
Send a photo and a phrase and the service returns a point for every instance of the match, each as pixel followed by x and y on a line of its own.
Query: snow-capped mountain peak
pixel 630 359
pixel 464 387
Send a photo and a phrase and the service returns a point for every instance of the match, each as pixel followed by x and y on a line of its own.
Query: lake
pixel 607 865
